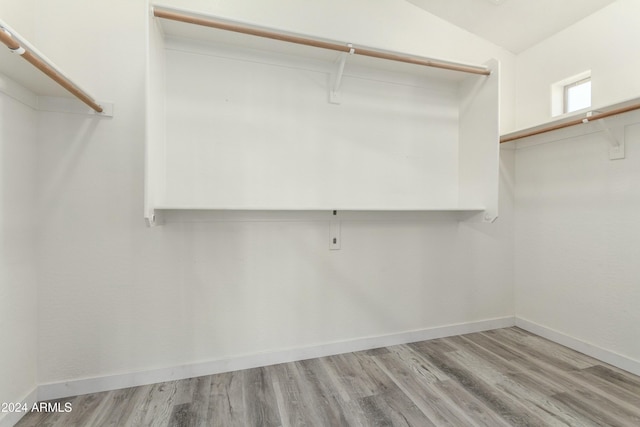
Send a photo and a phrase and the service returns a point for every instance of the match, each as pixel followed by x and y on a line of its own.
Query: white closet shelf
pixel 23 64
pixel 574 119
pixel 333 216
pixel 324 209
pixel 240 119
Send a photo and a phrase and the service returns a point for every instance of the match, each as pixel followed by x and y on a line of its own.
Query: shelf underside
pixel 25 74
pixel 191 214
pixel 321 209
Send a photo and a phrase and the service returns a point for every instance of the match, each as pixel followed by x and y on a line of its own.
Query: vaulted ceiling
pixel 515 25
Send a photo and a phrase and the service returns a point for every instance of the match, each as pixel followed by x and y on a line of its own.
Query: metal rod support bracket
pixel 334 93
pixel 614 136
pixel 18 51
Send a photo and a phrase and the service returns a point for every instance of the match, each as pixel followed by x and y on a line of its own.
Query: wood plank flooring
pixel 505 377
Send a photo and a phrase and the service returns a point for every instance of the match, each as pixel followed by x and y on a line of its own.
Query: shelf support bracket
pixel 615 137
pixel 334 92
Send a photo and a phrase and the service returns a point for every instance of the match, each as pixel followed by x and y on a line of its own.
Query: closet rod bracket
pixel 13 46
pixel 334 92
pixel 613 134
pixel 19 51
pixel 616 142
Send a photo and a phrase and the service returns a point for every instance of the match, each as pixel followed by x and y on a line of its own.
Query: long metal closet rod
pixel 238 28
pixel 8 39
pixel 570 123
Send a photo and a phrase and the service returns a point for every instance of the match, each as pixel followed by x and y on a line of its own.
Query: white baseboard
pixel 11 418
pixel 114 382
pixel 607 356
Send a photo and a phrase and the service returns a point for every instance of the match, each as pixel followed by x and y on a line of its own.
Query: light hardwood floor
pixel 505 377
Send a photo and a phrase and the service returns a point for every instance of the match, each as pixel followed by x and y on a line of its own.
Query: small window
pixel 577 95
pixel 571 94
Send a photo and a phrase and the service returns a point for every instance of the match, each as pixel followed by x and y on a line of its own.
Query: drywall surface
pixel 577 235
pixel 117 297
pixel 19 15
pixel 275 141
pixel 605 43
pixel 18 325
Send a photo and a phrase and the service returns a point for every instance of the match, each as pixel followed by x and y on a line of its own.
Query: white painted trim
pixel 10 419
pixel 607 356
pixel 114 382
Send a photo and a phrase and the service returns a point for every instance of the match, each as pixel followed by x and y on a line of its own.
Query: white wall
pixel 605 43
pixel 577 236
pixel 18 326
pixel 116 297
pixel 576 219
pixel 18 308
pixel 261 135
pixel 98 262
pixel 19 15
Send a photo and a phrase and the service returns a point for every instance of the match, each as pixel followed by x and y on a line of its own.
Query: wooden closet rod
pixel 569 123
pixel 238 28
pixel 8 39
